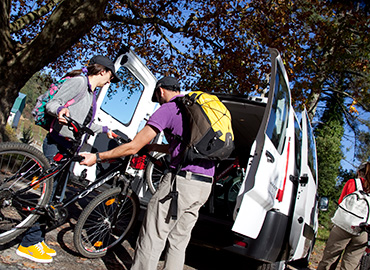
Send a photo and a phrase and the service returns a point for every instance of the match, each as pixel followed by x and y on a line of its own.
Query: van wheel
pixel 272 266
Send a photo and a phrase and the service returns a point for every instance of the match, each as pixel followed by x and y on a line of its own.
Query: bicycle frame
pixel 111 174
pixel 61 165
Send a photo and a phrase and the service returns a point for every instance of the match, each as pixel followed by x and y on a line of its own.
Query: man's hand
pixel 90 159
pixel 110 134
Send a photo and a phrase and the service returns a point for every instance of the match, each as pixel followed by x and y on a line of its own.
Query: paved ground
pixel 202 254
pixel 199 256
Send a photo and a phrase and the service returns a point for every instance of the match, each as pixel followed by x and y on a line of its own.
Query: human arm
pixel 141 139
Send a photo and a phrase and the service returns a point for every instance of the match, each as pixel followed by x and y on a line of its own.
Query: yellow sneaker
pixel 48 250
pixel 35 253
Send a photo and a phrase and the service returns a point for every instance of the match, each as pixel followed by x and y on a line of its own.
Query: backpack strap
pixel 173 196
pixel 358 184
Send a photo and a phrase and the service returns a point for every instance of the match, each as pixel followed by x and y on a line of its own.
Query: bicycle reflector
pixel 98 244
pixel 58 157
pixel 138 162
pixel 110 202
pixel 34 179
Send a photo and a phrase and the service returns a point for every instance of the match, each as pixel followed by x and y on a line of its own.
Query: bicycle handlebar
pixel 120 139
pixel 77 128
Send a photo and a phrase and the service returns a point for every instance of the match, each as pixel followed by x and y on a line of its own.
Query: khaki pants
pixel 155 232
pixel 339 240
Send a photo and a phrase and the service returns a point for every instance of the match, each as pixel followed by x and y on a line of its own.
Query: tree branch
pixel 32 16
pixel 348 95
pixel 167 40
pixel 6 45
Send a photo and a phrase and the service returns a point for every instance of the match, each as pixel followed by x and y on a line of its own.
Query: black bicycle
pixel 26 185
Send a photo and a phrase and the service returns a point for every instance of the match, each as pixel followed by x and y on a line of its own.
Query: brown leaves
pixel 222 45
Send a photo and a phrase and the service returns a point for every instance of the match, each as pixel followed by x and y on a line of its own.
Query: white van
pixel 270 205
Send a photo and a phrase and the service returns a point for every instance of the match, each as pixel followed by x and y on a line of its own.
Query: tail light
pixel 138 162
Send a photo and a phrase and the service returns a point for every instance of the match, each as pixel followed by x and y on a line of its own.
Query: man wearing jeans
pixel 194 183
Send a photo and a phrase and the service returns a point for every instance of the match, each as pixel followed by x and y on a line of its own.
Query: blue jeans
pixel 36 233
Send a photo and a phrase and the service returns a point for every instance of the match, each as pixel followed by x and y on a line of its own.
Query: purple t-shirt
pixel 168 118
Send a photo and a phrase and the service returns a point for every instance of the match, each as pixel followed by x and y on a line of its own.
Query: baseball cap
pixel 105 61
pixel 167 82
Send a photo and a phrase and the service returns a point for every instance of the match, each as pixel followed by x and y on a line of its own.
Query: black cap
pixel 105 61
pixel 169 83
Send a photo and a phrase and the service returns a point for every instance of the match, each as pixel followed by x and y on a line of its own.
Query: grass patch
pixel 322 237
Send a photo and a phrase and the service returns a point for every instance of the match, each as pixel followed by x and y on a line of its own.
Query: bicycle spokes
pixel 21 192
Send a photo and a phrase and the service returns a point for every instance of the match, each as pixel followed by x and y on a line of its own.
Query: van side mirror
pixel 324 204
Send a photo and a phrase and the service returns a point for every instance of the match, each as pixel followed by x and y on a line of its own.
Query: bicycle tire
pixel 232 190
pixel 94 233
pixel 20 165
pixel 154 172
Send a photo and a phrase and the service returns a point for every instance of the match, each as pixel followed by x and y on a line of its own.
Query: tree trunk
pixel 69 22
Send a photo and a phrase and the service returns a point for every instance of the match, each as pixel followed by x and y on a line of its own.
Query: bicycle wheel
pixel 20 166
pixel 156 170
pixel 231 194
pixel 105 221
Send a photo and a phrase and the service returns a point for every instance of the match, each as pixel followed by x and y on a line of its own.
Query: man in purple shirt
pixel 193 183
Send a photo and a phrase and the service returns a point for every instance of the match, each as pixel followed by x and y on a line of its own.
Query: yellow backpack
pixel 211 134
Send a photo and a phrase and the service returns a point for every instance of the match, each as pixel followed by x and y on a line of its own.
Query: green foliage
pixel 322 236
pixel 10 134
pixel 37 85
pixel 325 217
pixel 27 135
pixel 363 148
pixel 329 134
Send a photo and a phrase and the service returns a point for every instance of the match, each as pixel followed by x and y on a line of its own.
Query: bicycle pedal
pixel 58 215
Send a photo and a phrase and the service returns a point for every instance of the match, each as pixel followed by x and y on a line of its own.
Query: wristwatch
pixel 98 159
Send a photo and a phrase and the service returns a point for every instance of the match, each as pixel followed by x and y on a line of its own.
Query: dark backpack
pixel 42 118
pixel 209 121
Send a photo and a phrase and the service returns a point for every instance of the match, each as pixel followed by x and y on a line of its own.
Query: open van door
pixel 263 188
pixel 305 217
pixel 123 106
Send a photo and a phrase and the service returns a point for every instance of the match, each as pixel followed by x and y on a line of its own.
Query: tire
pixel 365 262
pixel 20 165
pixel 155 171
pixel 271 266
pixel 94 233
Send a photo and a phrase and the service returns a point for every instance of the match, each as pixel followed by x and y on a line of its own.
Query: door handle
pixel 270 157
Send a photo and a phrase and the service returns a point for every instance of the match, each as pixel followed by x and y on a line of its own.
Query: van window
pixel 276 126
pixel 298 145
pixel 122 98
pixel 311 149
